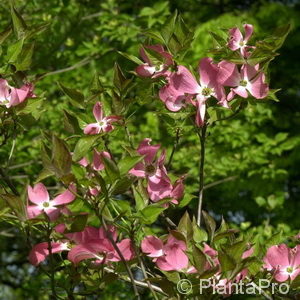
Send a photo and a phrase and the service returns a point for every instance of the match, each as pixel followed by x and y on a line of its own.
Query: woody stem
pixel 202 138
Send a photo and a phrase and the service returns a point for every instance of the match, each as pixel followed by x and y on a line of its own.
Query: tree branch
pixel 202 137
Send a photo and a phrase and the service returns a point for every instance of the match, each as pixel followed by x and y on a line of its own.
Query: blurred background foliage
pixel 252 163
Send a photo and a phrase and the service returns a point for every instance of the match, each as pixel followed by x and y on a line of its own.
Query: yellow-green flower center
pixel 46 204
pixel 243 82
pixel 206 91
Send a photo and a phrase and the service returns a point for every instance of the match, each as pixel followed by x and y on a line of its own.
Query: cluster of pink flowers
pixel 152 168
pixel 183 88
pixel 11 96
pixel 92 243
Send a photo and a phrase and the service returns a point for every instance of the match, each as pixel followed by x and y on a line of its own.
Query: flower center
pixel 46 204
pixel 243 83
pixel 289 269
pixel 150 169
pixel 206 91
pixel 242 43
pixel 102 123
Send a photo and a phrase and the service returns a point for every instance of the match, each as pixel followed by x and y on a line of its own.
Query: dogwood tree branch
pixel 202 138
pixel 136 292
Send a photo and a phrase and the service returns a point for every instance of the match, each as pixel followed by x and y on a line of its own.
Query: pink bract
pixel 11 96
pixel 152 168
pixel 238 41
pixel 249 79
pixel 169 256
pixel 283 261
pixel 38 195
pixel 182 84
pixel 103 124
pixel 149 68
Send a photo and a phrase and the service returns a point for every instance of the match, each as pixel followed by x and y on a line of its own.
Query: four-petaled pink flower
pixel 152 168
pixel 249 79
pixel 283 261
pixel 237 41
pixel 149 68
pixel 91 243
pixel 103 124
pixel 169 256
pixel 11 96
pixel 182 82
pixel 38 195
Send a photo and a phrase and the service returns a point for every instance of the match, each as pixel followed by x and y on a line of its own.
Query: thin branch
pixel 137 253
pixel 138 282
pixel 7 180
pixel 122 258
pixel 208 186
pixel 174 147
pixel 81 63
pixel 22 165
pixel 95 15
pixel 202 137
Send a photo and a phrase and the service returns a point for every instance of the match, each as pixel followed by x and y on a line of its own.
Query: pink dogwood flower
pixel 150 68
pixel 11 96
pixel 96 245
pixel 238 41
pixel 40 251
pixel 183 82
pixel 248 80
pixel 152 168
pixel 103 124
pixel 91 243
pixel 97 163
pixel 169 256
pixel 38 195
pixel 283 261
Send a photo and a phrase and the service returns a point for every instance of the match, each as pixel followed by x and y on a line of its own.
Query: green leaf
pixel 236 250
pixel 131 57
pixel 19 24
pixel 75 97
pixel 187 198
pixel 111 169
pixel 16 204
pixel 78 223
pixel 199 259
pixel 83 146
pixel 168 29
pixel 275 239
pixel 227 263
pixel 119 78
pixel 5 34
pixel 128 162
pixel 150 213
pixel 14 51
pixel 45 173
pixel 185 226
pixel 24 60
pixel 34 106
pixel 199 235
pixel 122 185
pixel 96 86
pixel 71 123
pixel 210 224
pixel 140 200
pixel 61 157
